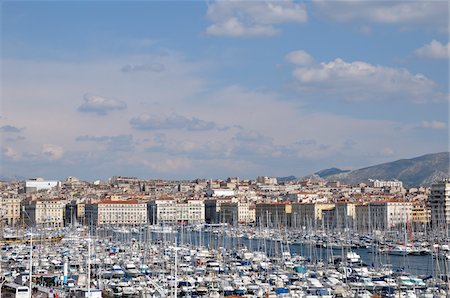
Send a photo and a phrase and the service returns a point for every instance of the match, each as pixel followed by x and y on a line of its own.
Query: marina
pixel 220 261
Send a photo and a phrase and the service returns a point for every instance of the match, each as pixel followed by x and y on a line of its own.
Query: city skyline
pixel 221 88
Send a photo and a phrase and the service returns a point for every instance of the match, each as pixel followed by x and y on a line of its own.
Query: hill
pixel 328 172
pixel 423 170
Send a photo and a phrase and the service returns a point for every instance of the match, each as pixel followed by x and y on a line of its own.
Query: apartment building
pixel 43 213
pixel 309 215
pixel 421 213
pixel 10 210
pixel 274 214
pixel 383 215
pixel 169 210
pixel 341 217
pixel 108 212
pixel 439 202
pixel 236 212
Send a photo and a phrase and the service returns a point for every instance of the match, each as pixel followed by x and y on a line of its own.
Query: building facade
pixel 129 212
pixel 43 213
pixel 10 210
pixel 171 211
pixel 439 202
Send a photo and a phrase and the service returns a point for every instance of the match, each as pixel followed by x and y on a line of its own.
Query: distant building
pixel 386 183
pixel 38 184
pixel 221 192
pixel 266 180
pixel 439 202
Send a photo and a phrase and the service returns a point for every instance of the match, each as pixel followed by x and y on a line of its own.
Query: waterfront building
pixel 439 202
pixel 108 212
pixel 43 212
pixel 421 213
pixel 383 215
pixel 213 207
pixel 10 210
pixel 235 212
pixel 169 210
pixel 274 214
pixel 341 217
pixel 309 215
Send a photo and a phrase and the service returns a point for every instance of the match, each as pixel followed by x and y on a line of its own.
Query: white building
pixel 44 213
pixel 388 183
pixel 223 192
pixel 38 184
pixel 10 210
pixel 171 211
pixel 439 201
pixel 383 215
pixel 109 212
pixel 266 180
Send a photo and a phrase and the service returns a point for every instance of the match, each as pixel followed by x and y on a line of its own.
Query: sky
pixel 212 89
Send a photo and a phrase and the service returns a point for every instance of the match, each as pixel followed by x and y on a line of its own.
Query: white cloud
pixel 173 121
pixel 435 50
pixel 405 13
pixel 113 143
pixel 235 28
pixel 10 129
pixel 10 153
pixel 153 67
pixel 101 105
pixel 252 18
pixel 299 58
pixel 433 125
pixel 170 165
pixel 361 81
pixel 387 151
pixel 53 152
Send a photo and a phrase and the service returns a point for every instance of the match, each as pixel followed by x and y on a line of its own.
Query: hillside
pixel 423 170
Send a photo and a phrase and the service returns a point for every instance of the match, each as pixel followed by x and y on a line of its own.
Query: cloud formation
pixel 173 121
pixel 153 67
pixel 113 143
pixel 52 152
pixel 299 57
pixel 101 105
pixel 204 150
pixel 434 50
pixel 252 18
pixel 433 13
pixel 361 81
pixel 10 128
pixel 9 153
pixel 432 125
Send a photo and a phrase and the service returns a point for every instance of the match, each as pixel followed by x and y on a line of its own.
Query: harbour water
pixel 424 265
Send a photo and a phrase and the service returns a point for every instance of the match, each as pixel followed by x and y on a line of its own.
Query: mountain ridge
pixel 418 171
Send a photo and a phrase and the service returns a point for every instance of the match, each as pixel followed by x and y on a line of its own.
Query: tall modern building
pixel 439 202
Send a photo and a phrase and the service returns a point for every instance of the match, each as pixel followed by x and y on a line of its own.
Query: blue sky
pixel 220 88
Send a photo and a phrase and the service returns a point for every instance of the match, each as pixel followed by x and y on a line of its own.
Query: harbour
pixel 217 261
